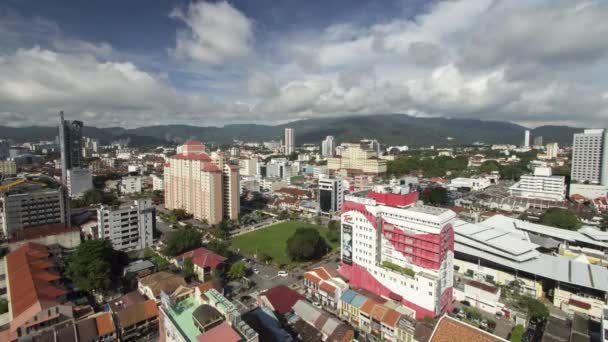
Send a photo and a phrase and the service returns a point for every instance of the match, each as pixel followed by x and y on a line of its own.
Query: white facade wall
pixel 590 157
pixel 78 180
pixel 129 228
pixel 290 141
pixel 541 185
pixel 370 249
pixel 481 299
pixel 130 185
pixel 157 183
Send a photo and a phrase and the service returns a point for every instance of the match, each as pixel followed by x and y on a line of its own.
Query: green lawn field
pixel 272 240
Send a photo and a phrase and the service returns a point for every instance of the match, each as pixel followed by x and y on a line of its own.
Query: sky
pixel 139 63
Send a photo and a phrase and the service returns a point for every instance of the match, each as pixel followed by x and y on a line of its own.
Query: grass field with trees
pixel 272 241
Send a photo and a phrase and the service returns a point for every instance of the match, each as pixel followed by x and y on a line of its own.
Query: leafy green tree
pixel 512 172
pixel 333 233
pixel 220 247
pixel 95 265
pixel 159 262
pixel 306 244
pixel 517 333
pixel 561 218
pixel 188 269
pixel 537 311
pixel 283 215
pixel 237 270
pixel 604 222
pixel 473 314
pixel 182 240
pixel 489 166
pixel 221 230
pixel 435 196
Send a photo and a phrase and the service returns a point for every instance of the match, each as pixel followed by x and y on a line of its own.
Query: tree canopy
pixel 182 240
pixel 561 218
pixel 94 196
pixel 430 167
pixel 95 265
pixel 306 244
pixel 188 269
pixel 489 166
pixel 333 234
pixel 237 270
pixel 517 333
pixel 536 309
pixel 435 196
pixel 219 247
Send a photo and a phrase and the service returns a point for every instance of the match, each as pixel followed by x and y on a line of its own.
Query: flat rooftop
pixel 181 315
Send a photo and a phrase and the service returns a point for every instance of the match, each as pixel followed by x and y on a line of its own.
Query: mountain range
pixel 389 129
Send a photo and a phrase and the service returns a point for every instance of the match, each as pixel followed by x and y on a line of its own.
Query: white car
pixel 256 271
pixel 282 274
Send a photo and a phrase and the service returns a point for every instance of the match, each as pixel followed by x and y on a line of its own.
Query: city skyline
pixel 215 63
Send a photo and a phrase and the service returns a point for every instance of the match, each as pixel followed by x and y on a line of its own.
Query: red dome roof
pixel 192 142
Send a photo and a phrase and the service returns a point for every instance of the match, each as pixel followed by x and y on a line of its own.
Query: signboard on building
pixel 347 244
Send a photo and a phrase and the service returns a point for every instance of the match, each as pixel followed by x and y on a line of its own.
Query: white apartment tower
pixel 527 138
pixel 590 157
pixel 290 141
pixel 130 228
pixel 552 150
pixel 328 147
pixel 541 185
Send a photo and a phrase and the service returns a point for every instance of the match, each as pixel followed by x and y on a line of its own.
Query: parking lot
pixel 503 325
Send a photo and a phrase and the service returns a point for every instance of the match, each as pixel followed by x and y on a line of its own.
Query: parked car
pixel 282 274
pixel 256 271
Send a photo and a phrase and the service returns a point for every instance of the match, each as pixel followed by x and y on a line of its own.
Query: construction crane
pixel 8 186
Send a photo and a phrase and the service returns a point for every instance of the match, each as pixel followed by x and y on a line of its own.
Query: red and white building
pixel 399 249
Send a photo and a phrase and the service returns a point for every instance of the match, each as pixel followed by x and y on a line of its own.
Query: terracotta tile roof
pixel 41 231
pixel 327 287
pixel 368 306
pixel 104 323
pixel 312 277
pixel 203 258
pixel 449 329
pixel 126 300
pixel 378 312
pixel 223 332
pixel 322 273
pixel 391 318
pixel 137 313
pixel 206 286
pixel 162 281
pixel 211 168
pixel 423 332
pixel 293 191
pixel 282 298
pixel 28 279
